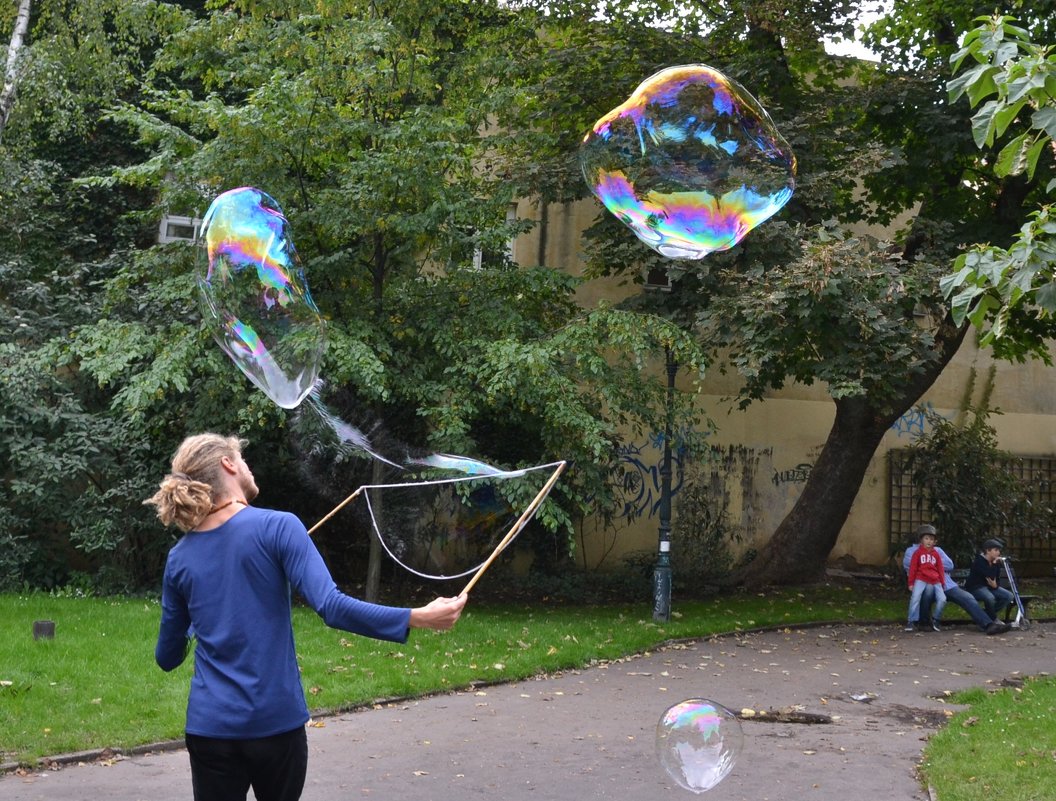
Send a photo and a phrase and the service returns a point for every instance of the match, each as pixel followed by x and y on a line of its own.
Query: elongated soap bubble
pixel 254 298
pixel 325 431
pixel 463 465
pixel 698 742
pixel 691 162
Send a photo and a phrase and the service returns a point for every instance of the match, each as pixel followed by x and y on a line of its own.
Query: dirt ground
pixel 590 734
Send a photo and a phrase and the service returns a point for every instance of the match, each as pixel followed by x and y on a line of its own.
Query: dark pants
pixel 224 770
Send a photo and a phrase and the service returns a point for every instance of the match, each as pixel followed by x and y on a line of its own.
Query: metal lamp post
pixel 662 571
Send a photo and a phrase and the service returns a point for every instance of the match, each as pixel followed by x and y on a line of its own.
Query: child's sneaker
pixel 936 627
pixel 910 627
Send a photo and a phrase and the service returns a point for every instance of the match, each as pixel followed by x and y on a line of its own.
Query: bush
pixel 702 537
pixel 16 554
pixel 968 483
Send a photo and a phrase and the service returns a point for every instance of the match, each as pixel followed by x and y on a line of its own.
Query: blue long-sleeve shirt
pixel 232 584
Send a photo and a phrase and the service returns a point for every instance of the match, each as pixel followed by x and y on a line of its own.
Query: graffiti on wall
pixel 641 463
pixel 796 475
pixel 725 492
pixel 914 422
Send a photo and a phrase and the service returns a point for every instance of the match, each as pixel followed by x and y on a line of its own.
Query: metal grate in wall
pixel 903 515
pixel 1034 549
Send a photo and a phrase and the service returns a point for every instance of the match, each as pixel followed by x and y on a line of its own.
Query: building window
pixel 482 257
pixel 178 229
pixel 658 279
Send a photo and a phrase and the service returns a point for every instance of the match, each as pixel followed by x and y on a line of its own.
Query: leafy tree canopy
pixel 1008 292
pixel 376 127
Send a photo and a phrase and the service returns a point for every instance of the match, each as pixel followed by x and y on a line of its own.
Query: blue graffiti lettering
pixel 914 422
pixel 641 481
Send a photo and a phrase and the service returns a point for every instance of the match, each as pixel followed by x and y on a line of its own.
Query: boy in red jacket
pixel 926 570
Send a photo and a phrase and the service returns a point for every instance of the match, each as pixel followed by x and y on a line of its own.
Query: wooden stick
pixel 516 527
pixel 782 716
pixel 336 509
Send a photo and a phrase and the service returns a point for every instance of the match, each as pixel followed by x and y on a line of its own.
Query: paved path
pixel 590 734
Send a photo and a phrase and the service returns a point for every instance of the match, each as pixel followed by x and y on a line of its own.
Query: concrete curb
pixel 75 757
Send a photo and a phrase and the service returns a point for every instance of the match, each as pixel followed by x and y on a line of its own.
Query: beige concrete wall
pixel 762 456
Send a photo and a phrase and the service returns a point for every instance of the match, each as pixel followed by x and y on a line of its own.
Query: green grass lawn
pixel 1003 746
pixel 91 686
pixel 95 684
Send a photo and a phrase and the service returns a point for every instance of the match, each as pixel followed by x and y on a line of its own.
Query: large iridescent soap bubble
pixel 691 162
pixel 254 298
pixel 698 742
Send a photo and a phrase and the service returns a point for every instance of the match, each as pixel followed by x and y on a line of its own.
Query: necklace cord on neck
pixel 225 505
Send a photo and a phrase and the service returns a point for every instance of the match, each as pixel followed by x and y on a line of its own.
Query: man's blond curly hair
pixel 187 494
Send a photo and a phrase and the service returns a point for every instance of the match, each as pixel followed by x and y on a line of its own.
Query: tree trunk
pixel 7 96
pixel 797 551
pixel 373 584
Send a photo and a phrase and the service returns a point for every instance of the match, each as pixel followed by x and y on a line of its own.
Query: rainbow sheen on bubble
pixel 691 162
pixel 254 297
pixel 698 742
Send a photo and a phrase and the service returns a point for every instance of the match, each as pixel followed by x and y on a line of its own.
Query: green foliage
pixel 970 488
pixel 1007 292
pixel 17 553
pixel 71 465
pixel 373 124
pixel 72 470
pixel 702 536
pixel 66 462
pixel 1021 76
pixel 843 310
pixel 797 299
pixel 93 49
pixel 395 135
